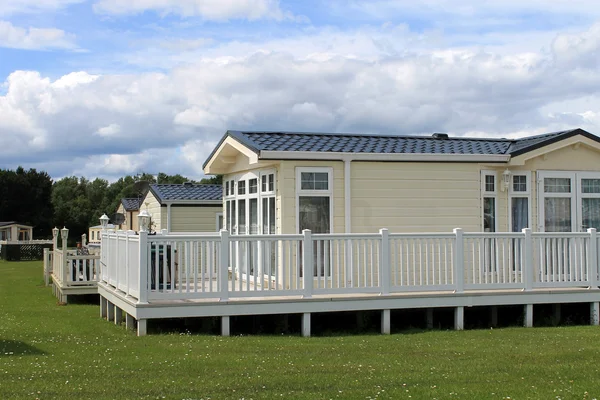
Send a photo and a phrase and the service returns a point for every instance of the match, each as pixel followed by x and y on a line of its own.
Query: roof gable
pixel 131 203
pixel 187 192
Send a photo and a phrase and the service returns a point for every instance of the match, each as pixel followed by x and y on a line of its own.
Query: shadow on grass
pixel 9 348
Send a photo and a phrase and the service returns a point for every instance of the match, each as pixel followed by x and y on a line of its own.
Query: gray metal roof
pixel 131 203
pixel 187 192
pixel 392 144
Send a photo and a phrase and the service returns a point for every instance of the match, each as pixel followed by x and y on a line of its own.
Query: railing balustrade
pixel 195 266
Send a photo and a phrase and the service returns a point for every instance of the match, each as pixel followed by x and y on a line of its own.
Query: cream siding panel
pixel 415 197
pixel 159 221
pixel 194 219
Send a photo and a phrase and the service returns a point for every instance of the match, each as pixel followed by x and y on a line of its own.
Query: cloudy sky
pixel 103 88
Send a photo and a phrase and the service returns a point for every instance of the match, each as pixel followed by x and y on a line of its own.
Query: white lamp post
pixel 104 221
pixel 144 220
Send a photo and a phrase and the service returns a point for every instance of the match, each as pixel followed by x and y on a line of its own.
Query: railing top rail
pixel 83 257
pixel 500 235
pixel 181 238
pixel 340 236
pixel 421 235
pixel 561 234
pixel 265 237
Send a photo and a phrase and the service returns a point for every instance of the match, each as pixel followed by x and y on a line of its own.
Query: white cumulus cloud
pixel 215 10
pixel 34 38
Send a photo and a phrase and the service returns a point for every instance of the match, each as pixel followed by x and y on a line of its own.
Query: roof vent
pixel 440 136
pixel 188 183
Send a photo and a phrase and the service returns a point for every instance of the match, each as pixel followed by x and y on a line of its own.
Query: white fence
pixel 194 266
pixel 70 269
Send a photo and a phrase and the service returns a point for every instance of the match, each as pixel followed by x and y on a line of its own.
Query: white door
pixel 568 201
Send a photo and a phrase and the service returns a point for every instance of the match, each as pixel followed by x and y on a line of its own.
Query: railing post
pixel 384 262
pixel 307 263
pixel 143 277
pixel 46 265
pixel 528 264
pixel 65 260
pixel 224 266
pixel 593 258
pixel 459 261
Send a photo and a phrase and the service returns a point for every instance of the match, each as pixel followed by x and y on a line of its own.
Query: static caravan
pixel 184 207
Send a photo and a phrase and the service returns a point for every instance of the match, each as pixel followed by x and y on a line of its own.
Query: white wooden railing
pixel 193 266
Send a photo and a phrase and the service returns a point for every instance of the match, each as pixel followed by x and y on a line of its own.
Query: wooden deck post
pixel 307 265
pixel 306 324
pixel 429 318
pixel 129 321
pixel 384 262
pixel 224 267
pixel 225 325
pixel 110 311
pixel 528 323
pixel 494 316
pixel 528 266
pixel 103 307
pixel 459 262
pixel 459 318
pixel 65 264
pixel 593 258
pixel 556 314
pixel 142 327
pixel 143 267
pixel 118 315
pixel 385 322
pixel 595 313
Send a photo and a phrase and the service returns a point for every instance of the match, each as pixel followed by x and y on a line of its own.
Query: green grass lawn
pixel 67 352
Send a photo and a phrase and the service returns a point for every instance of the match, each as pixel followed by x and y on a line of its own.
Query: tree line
pixel 31 197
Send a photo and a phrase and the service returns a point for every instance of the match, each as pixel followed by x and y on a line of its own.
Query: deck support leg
pixel 594 313
pixel 306 324
pixel 459 318
pixel 142 327
pixel 528 316
pixel 556 314
pixel 103 307
pixel 494 316
pixel 110 311
pixel 129 322
pixel 118 315
pixel 225 325
pixel 429 318
pixel 385 322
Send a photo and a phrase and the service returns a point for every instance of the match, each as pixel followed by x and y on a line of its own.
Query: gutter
pixel 339 156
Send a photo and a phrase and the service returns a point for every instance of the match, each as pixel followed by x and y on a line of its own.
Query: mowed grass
pixel 68 352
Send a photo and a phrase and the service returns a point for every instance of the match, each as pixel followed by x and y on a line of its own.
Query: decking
pixel 71 273
pixel 218 275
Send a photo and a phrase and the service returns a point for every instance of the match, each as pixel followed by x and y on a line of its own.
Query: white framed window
pixel 314 207
pixel 519 197
pixel 489 200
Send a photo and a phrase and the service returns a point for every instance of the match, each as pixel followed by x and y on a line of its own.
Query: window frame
pixel 314 193
pixel 489 194
pixel 514 194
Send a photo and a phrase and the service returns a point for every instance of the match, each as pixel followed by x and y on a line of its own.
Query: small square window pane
pixel 314 181
pixel 253 185
pixel 263 182
pixel 557 185
pixel 519 183
pixel 590 185
pixel 242 187
pixel 227 188
pixel 307 181
pixel 271 182
pixel 490 183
